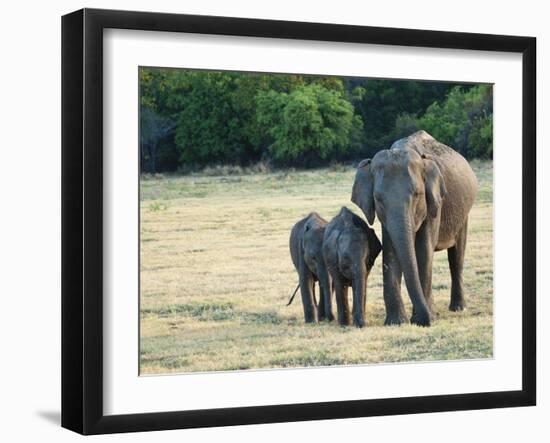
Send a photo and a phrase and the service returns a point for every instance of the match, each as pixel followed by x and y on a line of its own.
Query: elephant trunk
pixel 402 237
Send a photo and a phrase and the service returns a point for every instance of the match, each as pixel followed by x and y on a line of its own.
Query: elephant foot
pixel 344 321
pixel 323 315
pixel 422 318
pixel 311 319
pixel 311 315
pixel 360 323
pixel 395 319
pixel 457 306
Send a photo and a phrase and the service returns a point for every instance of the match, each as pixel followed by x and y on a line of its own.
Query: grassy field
pixel 216 275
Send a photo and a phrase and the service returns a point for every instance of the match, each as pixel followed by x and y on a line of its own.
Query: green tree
pixel 217 119
pixel 480 141
pixel 193 118
pixel 381 102
pixel 309 123
pixel 244 99
pixel 153 129
pixel 159 109
pixel 208 127
pixel 405 125
pixel 464 121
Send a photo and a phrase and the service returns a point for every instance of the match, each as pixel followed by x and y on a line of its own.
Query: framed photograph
pixel 268 221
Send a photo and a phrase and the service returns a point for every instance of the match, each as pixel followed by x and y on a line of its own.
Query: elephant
pixel 422 192
pixel 306 251
pixel 350 248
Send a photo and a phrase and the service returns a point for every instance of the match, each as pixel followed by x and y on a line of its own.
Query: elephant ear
pixel 435 186
pixel 305 229
pixel 301 247
pixel 375 247
pixel 361 193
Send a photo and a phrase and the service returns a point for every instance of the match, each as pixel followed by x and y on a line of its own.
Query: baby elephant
pixel 306 250
pixel 350 248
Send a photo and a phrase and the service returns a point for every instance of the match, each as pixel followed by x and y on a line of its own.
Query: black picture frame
pixel 82 218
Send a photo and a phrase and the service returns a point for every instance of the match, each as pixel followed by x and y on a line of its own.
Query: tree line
pixel 190 119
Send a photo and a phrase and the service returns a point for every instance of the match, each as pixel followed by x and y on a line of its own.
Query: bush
pixel 219 170
pixel 261 167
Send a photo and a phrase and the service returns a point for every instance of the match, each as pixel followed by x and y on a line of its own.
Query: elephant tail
pixel 293 295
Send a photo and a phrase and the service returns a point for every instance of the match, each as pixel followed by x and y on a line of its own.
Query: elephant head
pixel 402 188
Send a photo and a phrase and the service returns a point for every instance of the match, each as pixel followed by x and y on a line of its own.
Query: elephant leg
pixel 456 265
pixel 321 304
pixel 342 305
pixel 359 297
pixel 395 311
pixel 325 297
pixel 329 316
pixel 314 296
pixel 424 245
pixel 365 293
pixel 307 290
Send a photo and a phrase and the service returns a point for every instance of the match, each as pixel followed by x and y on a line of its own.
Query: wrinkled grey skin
pixel 422 192
pixel 350 248
pixel 306 250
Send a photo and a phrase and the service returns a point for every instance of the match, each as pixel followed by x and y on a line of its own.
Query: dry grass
pixel 216 275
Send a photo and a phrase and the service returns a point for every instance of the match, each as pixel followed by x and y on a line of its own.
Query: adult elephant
pixel 422 192
pixel 306 251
